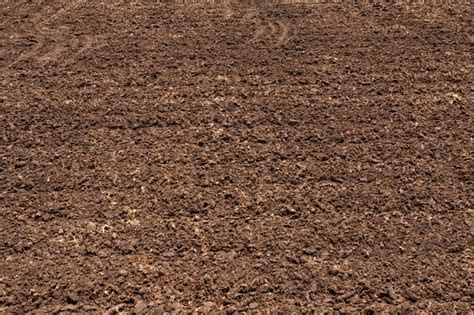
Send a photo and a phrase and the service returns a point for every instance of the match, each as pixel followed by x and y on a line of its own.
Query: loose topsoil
pixel 222 157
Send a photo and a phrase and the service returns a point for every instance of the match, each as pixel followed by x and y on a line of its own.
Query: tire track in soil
pixel 54 44
pixel 76 44
pixel 284 31
pixel 228 11
pixel 276 31
pixel 293 197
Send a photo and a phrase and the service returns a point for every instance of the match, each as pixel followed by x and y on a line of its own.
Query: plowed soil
pixel 236 157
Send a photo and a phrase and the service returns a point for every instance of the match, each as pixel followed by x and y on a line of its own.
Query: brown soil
pixel 162 157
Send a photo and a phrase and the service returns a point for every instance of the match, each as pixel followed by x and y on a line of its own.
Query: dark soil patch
pixel 158 157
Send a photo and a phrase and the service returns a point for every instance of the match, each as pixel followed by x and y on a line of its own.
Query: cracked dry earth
pixel 235 157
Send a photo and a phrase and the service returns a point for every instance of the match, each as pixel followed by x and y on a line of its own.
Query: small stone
pixel 310 251
pixel 209 304
pixel 265 288
pixel 168 254
pixel 391 293
pixel 71 298
pixel 293 122
pixel 289 211
pixel 336 270
pixel 412 296
pixel 253 305
pixel 455 296
pixel 347 295
pixel 123 272
pixel 338 306
pixel 70 307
